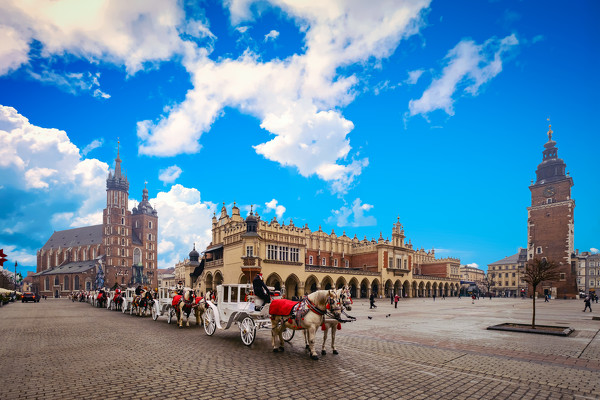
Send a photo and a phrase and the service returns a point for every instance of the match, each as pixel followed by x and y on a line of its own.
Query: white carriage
pixel 163 304
pixel 235 305
pixel 128 296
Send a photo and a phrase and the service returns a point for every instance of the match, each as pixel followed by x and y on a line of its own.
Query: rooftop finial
pixel 251 207
pixel 549 131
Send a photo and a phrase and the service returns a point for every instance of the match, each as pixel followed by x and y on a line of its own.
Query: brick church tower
pixel 550 224
pixel 130 239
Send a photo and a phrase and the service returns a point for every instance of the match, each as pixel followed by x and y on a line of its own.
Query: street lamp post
pixel 15 276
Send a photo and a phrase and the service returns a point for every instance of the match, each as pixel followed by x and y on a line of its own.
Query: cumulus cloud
pixel 353 215
pixel 468 66
pixel 93 145
pixel 183 219
pixel 272 205
pixel 296 99
pixel 43 170
pixel 474 265
pixel 271 35
pixel 124 32
pixel 169 175
pixel 594 250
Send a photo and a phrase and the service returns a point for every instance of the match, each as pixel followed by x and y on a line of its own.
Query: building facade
pixel 550 221
pixel 472 279
pixel 506 276
pixel 588 272
pixel 301 261
pixel 120 251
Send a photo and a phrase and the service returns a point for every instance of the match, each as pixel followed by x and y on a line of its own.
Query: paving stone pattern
pixel 57 349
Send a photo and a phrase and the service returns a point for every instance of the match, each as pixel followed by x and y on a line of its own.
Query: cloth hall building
pixel 122 250
pixel 301 261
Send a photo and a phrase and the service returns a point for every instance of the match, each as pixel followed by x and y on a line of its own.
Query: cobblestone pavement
pixel 57 349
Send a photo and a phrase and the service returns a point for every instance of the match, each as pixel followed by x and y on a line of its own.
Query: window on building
pixel 506 283
pixel 335 262
pixel 294 254
pixel 391 263
pixel 323 261
pixel 47 284
pixel 405 264
pixel 149 236
pixel 249 251
pixel 310 260
pixel 347 263
pixel 150 224
pixel 122 211
pixel 513 274
pixel 122 221
pixel 66 283
pixel 76 282
pixel 539 250
pixel 283 253
pixel 56 282
pixel 548 201
pixel 271 252
pixel 122 252
pixel 562 276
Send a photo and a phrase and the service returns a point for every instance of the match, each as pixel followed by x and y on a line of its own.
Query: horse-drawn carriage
pixel 235 305
pixel 162 304
pixel 128 296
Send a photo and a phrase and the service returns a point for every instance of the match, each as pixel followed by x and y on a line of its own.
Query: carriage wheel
pixel 209 322
pixel 154 313
pixel 170 315
pixel 248 331
pixel 288 334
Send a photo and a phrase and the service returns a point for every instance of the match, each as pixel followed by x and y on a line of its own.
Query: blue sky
pixel 340 114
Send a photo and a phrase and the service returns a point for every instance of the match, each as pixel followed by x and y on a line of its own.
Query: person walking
pixel 587 303
pixel 546 299
pixel 391 297
pixel 396 298
pixel 433 296
pixel 372 299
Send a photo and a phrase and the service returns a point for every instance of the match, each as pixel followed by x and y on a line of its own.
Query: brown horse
pixel 307 314
pixel 184 305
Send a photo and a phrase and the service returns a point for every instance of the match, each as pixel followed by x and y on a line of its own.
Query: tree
pixel 489 282
pixel 536 272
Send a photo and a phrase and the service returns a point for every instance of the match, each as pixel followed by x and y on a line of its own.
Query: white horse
pixel 184 305
pixel 332 324
pixel 307 314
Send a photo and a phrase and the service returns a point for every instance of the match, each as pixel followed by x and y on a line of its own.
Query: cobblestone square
pixel 58 349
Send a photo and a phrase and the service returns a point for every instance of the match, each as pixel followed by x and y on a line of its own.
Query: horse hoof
pixel 314 357
pixel 323 352
pixel 281 349
pixel 275 350
pixel 335 352
pixel 306 347
pixel 180 326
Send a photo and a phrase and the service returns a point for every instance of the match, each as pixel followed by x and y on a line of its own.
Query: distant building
pixel 166 277
pixel 506 275
pixel 121 251
pixel 472 278
pixel 588 272
pixel 301 261
pixel 188 270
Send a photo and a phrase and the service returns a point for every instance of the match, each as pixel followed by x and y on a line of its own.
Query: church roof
pixel 71 268
pixel 88 235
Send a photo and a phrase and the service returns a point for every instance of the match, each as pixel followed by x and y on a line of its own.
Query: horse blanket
pixel 281 307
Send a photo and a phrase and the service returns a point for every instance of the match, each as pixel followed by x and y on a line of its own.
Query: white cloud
pixel 93 145
pixel 353 215
pixel 468 65
pixel 183 219
pixel 413 76
pixel 297 99
pixel 44 167
pixel 594 250
pixel 473 265
pixel 271 35
pixel 123 32
pixel 272 205
pixel 169 175
pixel 71 82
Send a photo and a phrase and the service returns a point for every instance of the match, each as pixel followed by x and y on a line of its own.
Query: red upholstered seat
pixel 281 307
pixel 198 299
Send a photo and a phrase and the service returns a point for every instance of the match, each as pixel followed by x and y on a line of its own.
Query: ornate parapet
pixel 339 270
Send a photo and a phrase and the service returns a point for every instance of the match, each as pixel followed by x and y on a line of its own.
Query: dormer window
pixel 548 201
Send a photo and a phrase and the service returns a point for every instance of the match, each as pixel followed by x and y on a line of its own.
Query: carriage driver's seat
pixel 258 303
